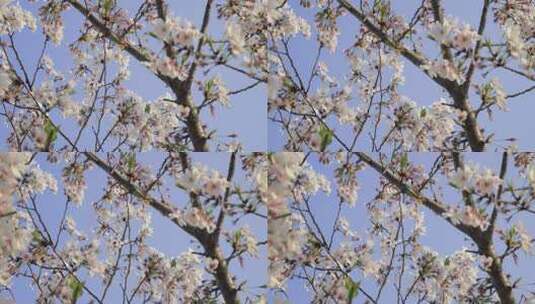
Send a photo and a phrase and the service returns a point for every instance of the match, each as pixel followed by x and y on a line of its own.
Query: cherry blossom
pixel 365 192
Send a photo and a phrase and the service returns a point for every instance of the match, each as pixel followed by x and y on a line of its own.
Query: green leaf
pixel 237 236
pixel 209 86
pixel 423 112
pixel 76 287
pixel 70 91
pixel 36 236
pixel 210 210
pixel 454 185
pixel 404 161
pixel 512 233
pixel 287 83
pixel 131 161
pixel 352 289
pixel 106 6
pixel 326 136
pixel 382 8
pixel 486 92
pixel 51 133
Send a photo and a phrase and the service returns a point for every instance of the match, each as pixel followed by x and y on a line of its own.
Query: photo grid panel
pixel 267 151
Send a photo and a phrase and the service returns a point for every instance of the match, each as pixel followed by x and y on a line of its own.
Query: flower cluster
pixel 236 37
pixel 74 182
pixel 327 30
pixel 215 90
pixel 446 279
pixel 15 234
pixel 170 67
pixel 451 33
pixel 471 178
pixel 200 180
pixel 171 280
pixel 5 82
pixel 518 237
pixel 250 23
pixel 14 19
pixel 283 240
pixel 243 240
pixel 291 180
pixel 443 68
pixel 51 21
pixel 148 125
pixel 530 174
pixel 424 128
pixel 493 93
pixel 196 217
pixel 36 181
pixel 468 215
pixel 518 46
pixel 175 31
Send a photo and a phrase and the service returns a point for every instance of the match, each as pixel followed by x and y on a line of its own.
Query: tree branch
pixel 475 57
pixel 181 89
pixel 438 12
pixel 470 125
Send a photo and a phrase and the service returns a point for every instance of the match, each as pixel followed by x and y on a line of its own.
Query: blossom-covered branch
pixel 345 231
pixel 89 101
pixel 353 92
pixel 482 237
pixel 206 238
pixel 118 251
